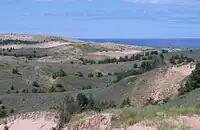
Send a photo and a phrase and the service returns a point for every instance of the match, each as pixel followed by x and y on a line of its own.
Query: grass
pixel 132 116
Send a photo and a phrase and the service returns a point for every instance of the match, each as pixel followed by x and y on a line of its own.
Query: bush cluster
pixel 193 82
pixel 178 59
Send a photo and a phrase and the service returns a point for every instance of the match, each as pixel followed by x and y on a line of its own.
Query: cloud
pixel 176 2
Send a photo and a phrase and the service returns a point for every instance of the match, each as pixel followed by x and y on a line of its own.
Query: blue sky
pixel 102 18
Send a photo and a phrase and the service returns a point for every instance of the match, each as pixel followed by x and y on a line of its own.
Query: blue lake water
pixel 157 43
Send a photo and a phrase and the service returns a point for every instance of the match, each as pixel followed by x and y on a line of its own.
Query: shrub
pixel 15 71
pixel 79 74
pixel 61 73
pixel 66 110
pixel 35 84
pixel 12 88
pixel 126 102
pixel 99 74
pixel 82 101
pixel 12 111
pixel 164 51
pixel 3 107
pixel 172 60
pixel 193 82
pixel 90 75
pixel 144 58
pixel 6 128
pixel 146 53
pixel 135 66
pixel 3 113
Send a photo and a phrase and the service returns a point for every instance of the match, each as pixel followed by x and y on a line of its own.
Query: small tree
pixel 35 84
pixel 12 88
pixel 99 74
pixel 135 66
pixel 80 74
pixel 15 71
pixel 82 101
pixel 126 102
pixel 90 75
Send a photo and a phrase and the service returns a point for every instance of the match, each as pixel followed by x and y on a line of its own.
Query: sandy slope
pixel 160 83
pixel 103 121
pixel 39 45
pixel 31 121
pixel 115 53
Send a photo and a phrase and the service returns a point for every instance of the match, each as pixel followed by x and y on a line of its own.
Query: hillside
pixel 39 72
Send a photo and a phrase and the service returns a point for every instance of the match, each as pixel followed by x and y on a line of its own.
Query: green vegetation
pixel 144 67
pixel 35 84
pixel 132 116
pixel 10 41
pixel 193 82
pixel 15 71
pixel 70 106
pixel 178 59
pixel 61 73
pixel 134 57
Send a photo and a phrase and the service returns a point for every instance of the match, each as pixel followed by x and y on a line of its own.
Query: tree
pixel 146 53
pixel 162 56
pixel 126 102
pixel 193 82
pixel 82 101
pixel 80 74
pixel 90 75
pixel 135 66
pixel 91 103
pixel 52 89
pixel 172 60
pixel 35 84
pixel 99 74
pixel 66 110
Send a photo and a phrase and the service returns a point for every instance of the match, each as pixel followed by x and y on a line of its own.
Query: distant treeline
pixel 136 69
pixel 134 57
pixel 178 59
pixel 11 41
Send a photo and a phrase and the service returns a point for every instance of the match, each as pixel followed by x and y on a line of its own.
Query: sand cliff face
pixel 161 83
pixel 102 121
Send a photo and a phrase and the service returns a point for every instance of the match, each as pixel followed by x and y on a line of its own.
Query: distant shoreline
pixel 155 43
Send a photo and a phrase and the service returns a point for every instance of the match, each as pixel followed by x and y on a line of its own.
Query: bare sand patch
pixel 115 53
pixel 39 45
pixel 167 84
pixel 31 121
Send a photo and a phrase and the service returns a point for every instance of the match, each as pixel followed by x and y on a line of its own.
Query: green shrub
pixel 61 73
pixel 35 84
pixel 3 113
pixel 126 102
pixel 12 110
pixel 79 74
pixel 99 74
pixel 90 75
pixel 15 71
pixel 12 88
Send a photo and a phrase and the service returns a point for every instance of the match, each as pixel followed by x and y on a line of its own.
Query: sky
pixel 102 18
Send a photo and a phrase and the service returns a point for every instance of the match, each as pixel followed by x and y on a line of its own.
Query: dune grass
pixel 132 116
